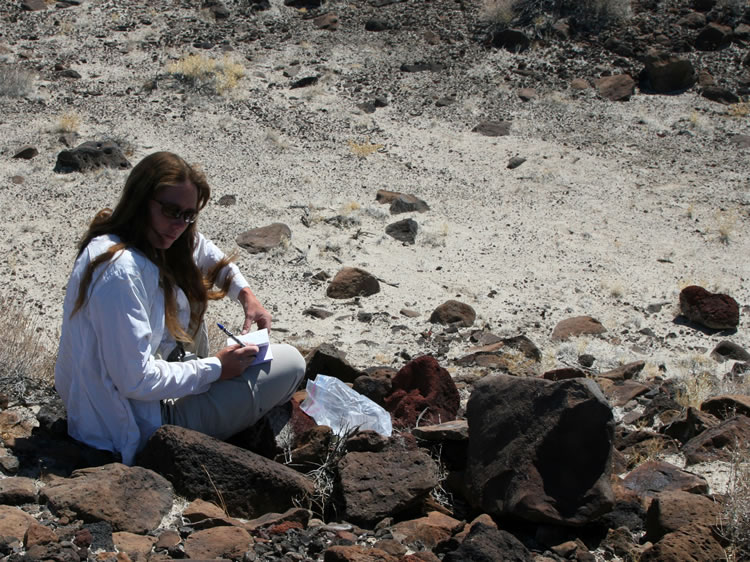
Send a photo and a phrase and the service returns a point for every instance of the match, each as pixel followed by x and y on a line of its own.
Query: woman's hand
pixel 235 359
pixel 254 311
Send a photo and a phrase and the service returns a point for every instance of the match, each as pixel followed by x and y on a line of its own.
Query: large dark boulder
pixel 539 450
pixel 199 466
pixel 378 485
pixel 91 155
pixel 667 73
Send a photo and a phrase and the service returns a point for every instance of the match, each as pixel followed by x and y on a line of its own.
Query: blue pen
pixel 230 334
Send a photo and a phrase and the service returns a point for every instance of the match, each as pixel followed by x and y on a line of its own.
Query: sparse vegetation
pixel 587 14
pixel 200 71
pixel 698 380
pixel 68 122
pixel 726 222
pixel 734 522
pixel 15 82
pixel 741 109
pixel 364 149
pixel 26 363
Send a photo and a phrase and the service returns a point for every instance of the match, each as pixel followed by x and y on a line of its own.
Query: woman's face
pixel 167 213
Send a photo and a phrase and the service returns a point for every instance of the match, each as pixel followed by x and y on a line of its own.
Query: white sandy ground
pixel 618 206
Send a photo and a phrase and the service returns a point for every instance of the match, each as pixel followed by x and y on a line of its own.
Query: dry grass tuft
pixel 324 477
pixel 364 149
pixel 68 122
pixel 699 382
pixel 219 76
pixel 734 522
pixel 27 365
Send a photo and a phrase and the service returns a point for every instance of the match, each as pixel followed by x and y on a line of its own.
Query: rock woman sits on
pixel 139 291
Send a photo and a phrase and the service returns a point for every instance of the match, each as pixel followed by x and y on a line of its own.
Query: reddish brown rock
pixel 692 542
pixel 14 522
pixel 718 442
pixel 616 88
pixel 624 372
pixel 713 310
pixel 453 312
pixel 429 530
pixel 670 511
pixel 691 423
pixel 17 491
pixel 352 282
pixel 137 547
pixel 727 406
pixel 577 326
pixel 218 542
pixel 264 238
pixel 131 499
pixel 378 485
pixel 39 534
pixel 422 390
pixel 653 477
pixel 564 373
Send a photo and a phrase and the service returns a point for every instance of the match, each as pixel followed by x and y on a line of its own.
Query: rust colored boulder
pixel 577 326
pixel 264 238
pixel 352 282
pixel 424 391
pixel 713 310
pixel 453 312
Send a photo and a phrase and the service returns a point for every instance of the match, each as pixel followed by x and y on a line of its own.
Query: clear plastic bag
pixel 331 402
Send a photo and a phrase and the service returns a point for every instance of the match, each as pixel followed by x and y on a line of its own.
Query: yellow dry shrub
pixel 199 70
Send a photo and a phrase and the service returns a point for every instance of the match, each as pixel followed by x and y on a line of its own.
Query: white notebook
pixel 259 338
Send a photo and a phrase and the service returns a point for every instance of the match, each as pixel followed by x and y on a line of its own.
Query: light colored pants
pixel 232 405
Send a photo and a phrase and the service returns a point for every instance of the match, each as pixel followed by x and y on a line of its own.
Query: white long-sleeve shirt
pixel 106 372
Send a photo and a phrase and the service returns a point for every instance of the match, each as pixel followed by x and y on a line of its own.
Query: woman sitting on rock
pixel 138 292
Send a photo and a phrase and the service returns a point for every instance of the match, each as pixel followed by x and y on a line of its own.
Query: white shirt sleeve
pixel 119 308
pixel 207 254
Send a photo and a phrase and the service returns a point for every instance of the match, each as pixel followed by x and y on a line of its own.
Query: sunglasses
pixel 172 211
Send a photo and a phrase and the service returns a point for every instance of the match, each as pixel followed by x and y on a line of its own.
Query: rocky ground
pixel 569 171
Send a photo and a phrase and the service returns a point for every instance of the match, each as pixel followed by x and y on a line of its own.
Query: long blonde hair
pixel 130 222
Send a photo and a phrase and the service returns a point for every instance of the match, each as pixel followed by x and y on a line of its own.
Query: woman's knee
pixel 293 361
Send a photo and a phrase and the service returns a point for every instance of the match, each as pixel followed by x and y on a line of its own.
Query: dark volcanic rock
pixel 667 73
pixel 653 477
pixel 91 156
pixel 487 543
pixel 378 485
pixel 727 406
pixel 540 451
pixel 513 40
pixel 198 465
pixel 328 360
pixel 403 231
pixel 713 37
pixel 493 128
pixel 718 442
